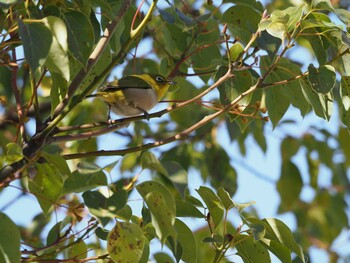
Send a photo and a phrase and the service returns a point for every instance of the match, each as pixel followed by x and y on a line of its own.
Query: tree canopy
pixel 240 67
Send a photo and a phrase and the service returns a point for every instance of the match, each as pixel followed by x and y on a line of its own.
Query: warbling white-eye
pixel 135 94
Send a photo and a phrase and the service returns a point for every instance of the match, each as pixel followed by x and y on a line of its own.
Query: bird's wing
pixel 126 83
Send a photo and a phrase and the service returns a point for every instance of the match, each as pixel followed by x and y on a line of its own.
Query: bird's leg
pixel 144 112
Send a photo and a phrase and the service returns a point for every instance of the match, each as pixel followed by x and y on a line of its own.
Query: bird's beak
pixel 171 82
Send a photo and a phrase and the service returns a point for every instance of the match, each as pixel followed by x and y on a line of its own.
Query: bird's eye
pixel 160 79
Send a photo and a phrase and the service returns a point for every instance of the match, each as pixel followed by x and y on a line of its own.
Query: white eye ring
pixel 160 79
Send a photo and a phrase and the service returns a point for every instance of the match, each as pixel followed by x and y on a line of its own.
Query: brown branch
pixel 16 93
pixel 88 135
pixel 180 136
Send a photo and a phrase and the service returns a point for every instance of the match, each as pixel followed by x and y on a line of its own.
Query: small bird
pixel 135 94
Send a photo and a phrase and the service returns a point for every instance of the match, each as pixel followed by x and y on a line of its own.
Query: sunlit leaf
pixel 278 231
pixel 13 153
pixel 57 60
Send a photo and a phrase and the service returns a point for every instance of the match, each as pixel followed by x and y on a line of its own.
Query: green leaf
pixel 161 203
pixel 234 87
pixel 238 24
pixel 226 176
pixel 125 242
pixel 268 43
pixel 236 51
pixel 115 42
pixel 101 233
pixel 9 240
pixel 145 253
pixel 80 35
pixel 206 60
pixel 322 5
pixel 343 15
pixel 209 32
pixel 85 178
pixel 278 249
pixel 214 239
pixel 278 231
pixel 314 170
pixel 251 251
pixel 322 79
pixel 58 90
pixel 117 201
pixel 178 176
pixel 279 97
pixel 58 161
pixel 37 40
pixel 244 205
pixel 289 147
pixel 344 143
pixel 57 60
pixel 316 43
pixel 162 257
pixel 124 213
pixel 167 16
pixel 282 22
pixel 257 227
pixel 47 185
pixel 78 250
pixel 96 202
pixel 56 231
pixel 277 29
pixel 186 209
pixel 321 104
pixel 13 153
pixel 150 161
pixel 214 204
pixel 345 100
pixel 7 3
pixel 225 198
pixel 289 185
pixel 187 242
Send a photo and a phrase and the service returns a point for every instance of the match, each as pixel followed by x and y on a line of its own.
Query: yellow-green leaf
pixel 125 242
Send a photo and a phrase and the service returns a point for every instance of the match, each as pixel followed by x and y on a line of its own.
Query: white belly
pixel 136 102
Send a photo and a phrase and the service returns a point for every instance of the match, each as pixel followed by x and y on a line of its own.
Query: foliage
pixel 54 53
